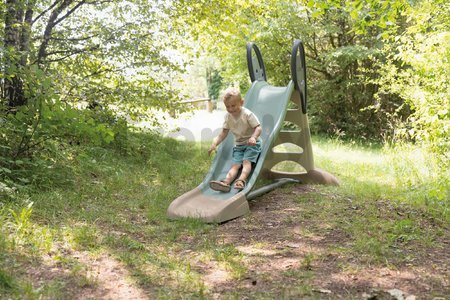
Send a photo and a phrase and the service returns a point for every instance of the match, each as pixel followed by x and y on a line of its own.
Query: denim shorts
pixel 246 152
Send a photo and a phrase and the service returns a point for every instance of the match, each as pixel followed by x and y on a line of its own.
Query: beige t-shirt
pixel 242 127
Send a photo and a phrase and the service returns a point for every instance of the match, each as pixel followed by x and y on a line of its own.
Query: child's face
pixel 234 105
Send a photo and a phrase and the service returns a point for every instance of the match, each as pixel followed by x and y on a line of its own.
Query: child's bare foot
pixel 220 185
pixel 239 184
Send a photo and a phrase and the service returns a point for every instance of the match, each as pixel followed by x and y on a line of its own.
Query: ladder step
pixel 289 137
pixel 286 174
pixel 288 152
pixel 279 157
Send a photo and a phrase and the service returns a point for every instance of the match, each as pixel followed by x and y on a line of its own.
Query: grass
pixel 110 202
pixel 389 201
pixel 401 175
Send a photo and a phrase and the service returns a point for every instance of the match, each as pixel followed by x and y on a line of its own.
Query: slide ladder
pixel 297 142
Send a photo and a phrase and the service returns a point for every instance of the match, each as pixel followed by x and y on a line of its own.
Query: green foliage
pixel 91 53
pixel 33 133
pixel 214 84
pixel 377 70
pixel 339 46
pixel 34 137
pixel 418 71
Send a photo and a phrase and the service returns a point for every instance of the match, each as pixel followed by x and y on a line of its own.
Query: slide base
pixel 195 204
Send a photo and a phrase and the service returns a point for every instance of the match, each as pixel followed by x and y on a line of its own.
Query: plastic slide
pixel 270 104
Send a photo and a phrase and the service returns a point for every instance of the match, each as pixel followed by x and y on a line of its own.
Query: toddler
pixel 246 129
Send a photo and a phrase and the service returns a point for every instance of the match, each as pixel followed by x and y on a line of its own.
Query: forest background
pixel 378 70
pixel 81 73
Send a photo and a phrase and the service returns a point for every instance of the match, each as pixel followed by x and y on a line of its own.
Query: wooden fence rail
pixel 208 101
pixel 198 102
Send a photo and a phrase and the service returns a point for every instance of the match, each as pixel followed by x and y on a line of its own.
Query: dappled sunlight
pixel 114 238
pixel 113 280
pixel 288 167
pixel 62 272
pixel 197 125
pixel 108 110
pixel 48 270
pixel 349 155
pixel 379 278
pixel 184 278
pixel 305 246
pixel 192 271
pixel 287 147
pixel 306 233
pixel 256 251
pixel 213 275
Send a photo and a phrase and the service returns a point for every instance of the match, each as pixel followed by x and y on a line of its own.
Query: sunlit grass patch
pixel 385 198
pixel 18 232
pixel 401 175
pixel 159 268
pixel 85 237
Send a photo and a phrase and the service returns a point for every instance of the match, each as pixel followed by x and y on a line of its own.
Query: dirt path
pixel 111 279
pixel 287 252
pixel 283 252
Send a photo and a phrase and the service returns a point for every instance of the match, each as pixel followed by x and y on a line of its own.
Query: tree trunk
pixel 26 33
pixel 16 41
pixel 52 22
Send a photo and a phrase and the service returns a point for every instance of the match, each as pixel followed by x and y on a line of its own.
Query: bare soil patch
pixel 284 250
pixel 83 276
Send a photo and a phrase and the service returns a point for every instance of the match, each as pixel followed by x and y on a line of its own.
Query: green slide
pixel 270 104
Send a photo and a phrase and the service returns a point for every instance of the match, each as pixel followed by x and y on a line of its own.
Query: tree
pixel 59 58
pixel 418 69
pixel 341 39
pixel 214 83
pixel 124 37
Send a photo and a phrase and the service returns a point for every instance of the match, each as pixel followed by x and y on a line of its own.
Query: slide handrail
pixel 255 63
pixel 298 72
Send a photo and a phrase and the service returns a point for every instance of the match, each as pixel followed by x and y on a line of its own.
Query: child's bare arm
pixel 217 140
pixel 256 133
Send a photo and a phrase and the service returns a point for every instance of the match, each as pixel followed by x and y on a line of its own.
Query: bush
pixel 36 138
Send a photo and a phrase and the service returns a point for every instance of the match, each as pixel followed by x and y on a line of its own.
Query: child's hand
pixel 251 141
pixel 212 149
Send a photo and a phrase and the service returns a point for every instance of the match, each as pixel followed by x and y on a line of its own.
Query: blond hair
pixel 231 92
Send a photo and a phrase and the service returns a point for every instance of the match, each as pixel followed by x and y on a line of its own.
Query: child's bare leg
pixel 232 173
pixel 246 169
